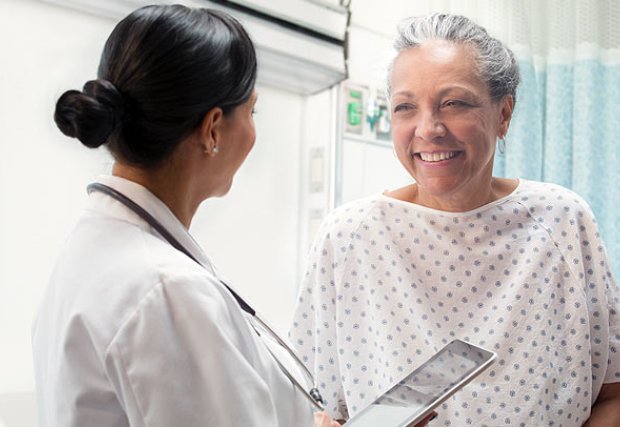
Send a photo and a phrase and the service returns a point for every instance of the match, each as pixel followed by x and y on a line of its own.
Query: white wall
pixel 372 31
pixel 42 174
pixel 252 234
pixel 44 50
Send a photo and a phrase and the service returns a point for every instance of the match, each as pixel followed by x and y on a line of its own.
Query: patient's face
pixel 445 124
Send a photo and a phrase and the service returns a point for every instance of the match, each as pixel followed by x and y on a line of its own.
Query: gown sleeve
pixel 316 323
pixel 573 228
pixel 603 297
pixel 184 359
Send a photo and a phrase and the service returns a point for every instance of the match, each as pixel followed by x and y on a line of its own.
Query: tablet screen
pixel 442 375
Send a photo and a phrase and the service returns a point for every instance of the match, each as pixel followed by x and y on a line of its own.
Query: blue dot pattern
pixel 389 283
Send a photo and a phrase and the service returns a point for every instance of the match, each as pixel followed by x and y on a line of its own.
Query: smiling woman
pixel 513 265
pixel 445 125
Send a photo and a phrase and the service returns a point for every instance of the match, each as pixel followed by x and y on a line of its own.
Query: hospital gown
pixel 389 283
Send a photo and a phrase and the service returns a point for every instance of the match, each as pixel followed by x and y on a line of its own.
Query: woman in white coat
pixel 136 327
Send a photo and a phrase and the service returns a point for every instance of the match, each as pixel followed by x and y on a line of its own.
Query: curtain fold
pixel 565 125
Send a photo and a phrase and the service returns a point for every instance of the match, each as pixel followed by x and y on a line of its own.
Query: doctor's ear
pixel 210 131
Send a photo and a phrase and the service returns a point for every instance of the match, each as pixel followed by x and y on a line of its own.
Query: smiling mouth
pixel 437 156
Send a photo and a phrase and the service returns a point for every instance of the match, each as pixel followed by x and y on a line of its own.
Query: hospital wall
pixel 257 235
pixel 43 49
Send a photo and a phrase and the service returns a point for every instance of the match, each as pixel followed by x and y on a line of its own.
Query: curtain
pixel 565 126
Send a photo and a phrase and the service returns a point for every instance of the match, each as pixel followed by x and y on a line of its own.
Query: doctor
pixel 136 327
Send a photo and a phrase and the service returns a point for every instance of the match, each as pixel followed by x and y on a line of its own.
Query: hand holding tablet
pixel 412 399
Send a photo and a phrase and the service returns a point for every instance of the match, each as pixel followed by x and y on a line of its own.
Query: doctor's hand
pixel 321 419
pixel 430 417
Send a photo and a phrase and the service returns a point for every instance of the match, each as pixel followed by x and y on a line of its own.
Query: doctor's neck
pixel 168 183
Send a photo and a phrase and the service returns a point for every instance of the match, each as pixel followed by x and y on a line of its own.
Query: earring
pixel 501 145
pixel 214 150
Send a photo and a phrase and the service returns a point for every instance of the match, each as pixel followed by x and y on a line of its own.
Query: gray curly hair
pixel 496 63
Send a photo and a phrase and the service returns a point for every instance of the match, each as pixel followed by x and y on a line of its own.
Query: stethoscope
pixel 313 395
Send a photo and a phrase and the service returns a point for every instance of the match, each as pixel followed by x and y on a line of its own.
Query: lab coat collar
pixel 153 205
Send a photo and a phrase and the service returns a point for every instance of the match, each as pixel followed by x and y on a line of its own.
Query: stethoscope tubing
pixel 314 395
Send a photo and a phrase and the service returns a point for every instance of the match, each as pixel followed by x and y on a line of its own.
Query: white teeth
pixel 436 157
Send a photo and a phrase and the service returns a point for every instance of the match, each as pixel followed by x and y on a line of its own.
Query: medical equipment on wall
pixel 364 160
pixel 366 112
pixel 258 324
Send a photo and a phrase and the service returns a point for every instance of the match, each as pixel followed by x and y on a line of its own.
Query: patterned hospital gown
pixel 389 283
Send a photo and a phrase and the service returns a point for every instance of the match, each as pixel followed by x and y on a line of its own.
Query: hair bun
pixel 91 115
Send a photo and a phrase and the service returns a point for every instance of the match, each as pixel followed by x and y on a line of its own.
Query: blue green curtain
pixel 566 130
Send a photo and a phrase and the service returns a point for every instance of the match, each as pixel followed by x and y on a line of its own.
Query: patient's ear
pixel 507 104
pixel 210 131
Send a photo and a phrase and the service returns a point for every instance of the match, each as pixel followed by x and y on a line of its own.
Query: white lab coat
pixel 133 332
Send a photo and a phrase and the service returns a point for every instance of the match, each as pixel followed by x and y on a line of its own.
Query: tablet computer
pixel 414 397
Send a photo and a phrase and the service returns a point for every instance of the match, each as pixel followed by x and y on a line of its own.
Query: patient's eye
pixel 455 103
pixel 404 107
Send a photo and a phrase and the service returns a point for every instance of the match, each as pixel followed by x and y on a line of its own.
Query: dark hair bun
pixel 91 115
